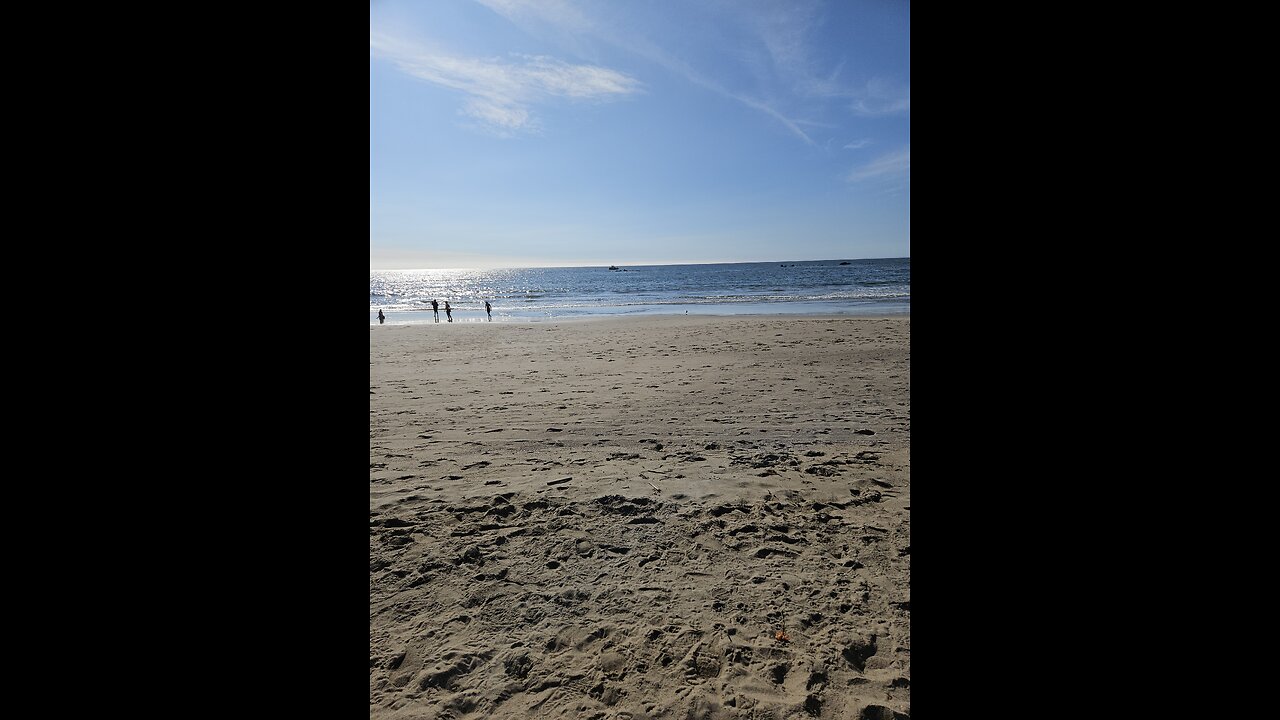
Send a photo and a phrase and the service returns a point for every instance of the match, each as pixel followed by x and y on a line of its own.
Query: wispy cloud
pixel 762 55
pixel 881 97
pixel 763 107
pixel 655 54
pixel 873 98
pixel 781 41
pixel 858 144
pixel 783 30
pixel 500 92
pixel 555 12
pixel 785 33
pixel 894 166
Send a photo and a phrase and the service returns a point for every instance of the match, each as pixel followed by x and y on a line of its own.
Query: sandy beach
pixel 650 517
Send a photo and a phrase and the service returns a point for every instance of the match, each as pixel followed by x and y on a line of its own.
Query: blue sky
pixel 521 133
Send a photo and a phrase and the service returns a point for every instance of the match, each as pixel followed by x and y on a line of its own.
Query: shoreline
pixel 646 316
pixel 748 310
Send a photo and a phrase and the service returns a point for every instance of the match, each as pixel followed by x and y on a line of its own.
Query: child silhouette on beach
pixel 448 311
pixel 380 316
pixel 487 310
pixel 435 307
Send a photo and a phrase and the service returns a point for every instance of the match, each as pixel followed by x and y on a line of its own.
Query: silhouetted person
pixel 380 317
pixel 448 310
pixel 435 308
pixel 487 310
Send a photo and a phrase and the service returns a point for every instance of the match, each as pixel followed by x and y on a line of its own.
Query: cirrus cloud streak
pixel 500 92
pixel 894 166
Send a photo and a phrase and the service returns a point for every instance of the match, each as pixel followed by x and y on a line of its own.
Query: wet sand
pixel 703 517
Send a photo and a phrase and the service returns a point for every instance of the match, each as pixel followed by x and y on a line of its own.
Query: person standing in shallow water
pixel 435 308
pixel 380 317
pixel 448 310
pixel 487 310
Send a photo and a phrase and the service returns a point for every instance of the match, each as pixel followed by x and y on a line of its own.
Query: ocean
pixel 811 287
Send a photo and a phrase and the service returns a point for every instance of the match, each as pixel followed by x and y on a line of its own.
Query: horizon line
pixel 589 265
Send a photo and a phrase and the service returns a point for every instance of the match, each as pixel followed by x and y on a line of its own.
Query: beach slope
pixel 704 517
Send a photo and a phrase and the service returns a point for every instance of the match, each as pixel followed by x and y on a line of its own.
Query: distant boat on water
pixel 613 267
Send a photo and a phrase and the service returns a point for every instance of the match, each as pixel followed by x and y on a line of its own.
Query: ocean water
pixel 879 286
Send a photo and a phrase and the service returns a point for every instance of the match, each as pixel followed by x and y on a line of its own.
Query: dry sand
pixel 678 517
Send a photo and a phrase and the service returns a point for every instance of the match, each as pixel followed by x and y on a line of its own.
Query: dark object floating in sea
pixel 613 267
pixel 844 263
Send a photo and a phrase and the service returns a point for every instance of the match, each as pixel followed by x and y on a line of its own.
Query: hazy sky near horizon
pixel 512 133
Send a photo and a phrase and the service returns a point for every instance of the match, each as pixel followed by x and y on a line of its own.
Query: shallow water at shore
pixel 474 314
pixel 844 287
